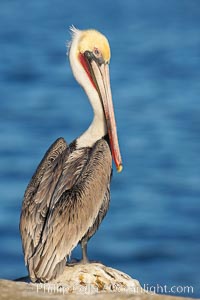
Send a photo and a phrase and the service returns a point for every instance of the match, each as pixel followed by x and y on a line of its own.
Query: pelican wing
pixel 37 198
pixel 73 208
pixel 102 212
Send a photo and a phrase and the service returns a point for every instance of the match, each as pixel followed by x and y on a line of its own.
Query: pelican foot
pixel 84 261
pixel 87 261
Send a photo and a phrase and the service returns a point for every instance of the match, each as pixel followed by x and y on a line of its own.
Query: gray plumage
pixel 64 203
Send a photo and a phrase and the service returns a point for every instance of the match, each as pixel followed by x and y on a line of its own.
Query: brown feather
pixel 71 200
pixel 34 209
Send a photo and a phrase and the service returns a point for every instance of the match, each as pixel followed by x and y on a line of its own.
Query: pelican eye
pixel 97 53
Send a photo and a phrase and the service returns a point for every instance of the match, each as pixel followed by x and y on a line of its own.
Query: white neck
pixel 97 128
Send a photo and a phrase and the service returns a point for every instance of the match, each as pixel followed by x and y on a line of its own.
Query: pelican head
pixel 89 56
pixel 96 43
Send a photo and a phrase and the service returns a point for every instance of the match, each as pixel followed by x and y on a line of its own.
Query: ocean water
pixel 152 228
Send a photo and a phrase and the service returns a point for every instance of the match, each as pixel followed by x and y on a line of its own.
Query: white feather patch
pixel 73 31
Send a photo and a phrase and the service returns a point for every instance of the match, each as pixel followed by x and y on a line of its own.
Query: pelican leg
pixel 84 259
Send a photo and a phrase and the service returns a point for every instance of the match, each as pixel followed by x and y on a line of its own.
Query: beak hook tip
pixel 119 168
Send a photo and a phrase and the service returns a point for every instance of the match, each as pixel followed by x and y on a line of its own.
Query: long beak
pixel 101 78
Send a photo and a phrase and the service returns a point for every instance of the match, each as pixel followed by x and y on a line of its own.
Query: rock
pixel 94 278
pixel 27 291
pixel 91 281
pixel 87 279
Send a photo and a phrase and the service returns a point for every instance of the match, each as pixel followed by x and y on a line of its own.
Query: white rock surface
pixel 81 282
pixel 92 278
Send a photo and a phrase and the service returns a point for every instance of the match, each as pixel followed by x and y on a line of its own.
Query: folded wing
pixel 64 207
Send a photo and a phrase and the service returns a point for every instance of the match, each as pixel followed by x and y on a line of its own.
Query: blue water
pixel 152 230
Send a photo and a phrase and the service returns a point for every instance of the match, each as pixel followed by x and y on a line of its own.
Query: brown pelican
pixel 69 193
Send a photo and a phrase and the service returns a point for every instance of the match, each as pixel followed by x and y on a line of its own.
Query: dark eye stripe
pixel 91 56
